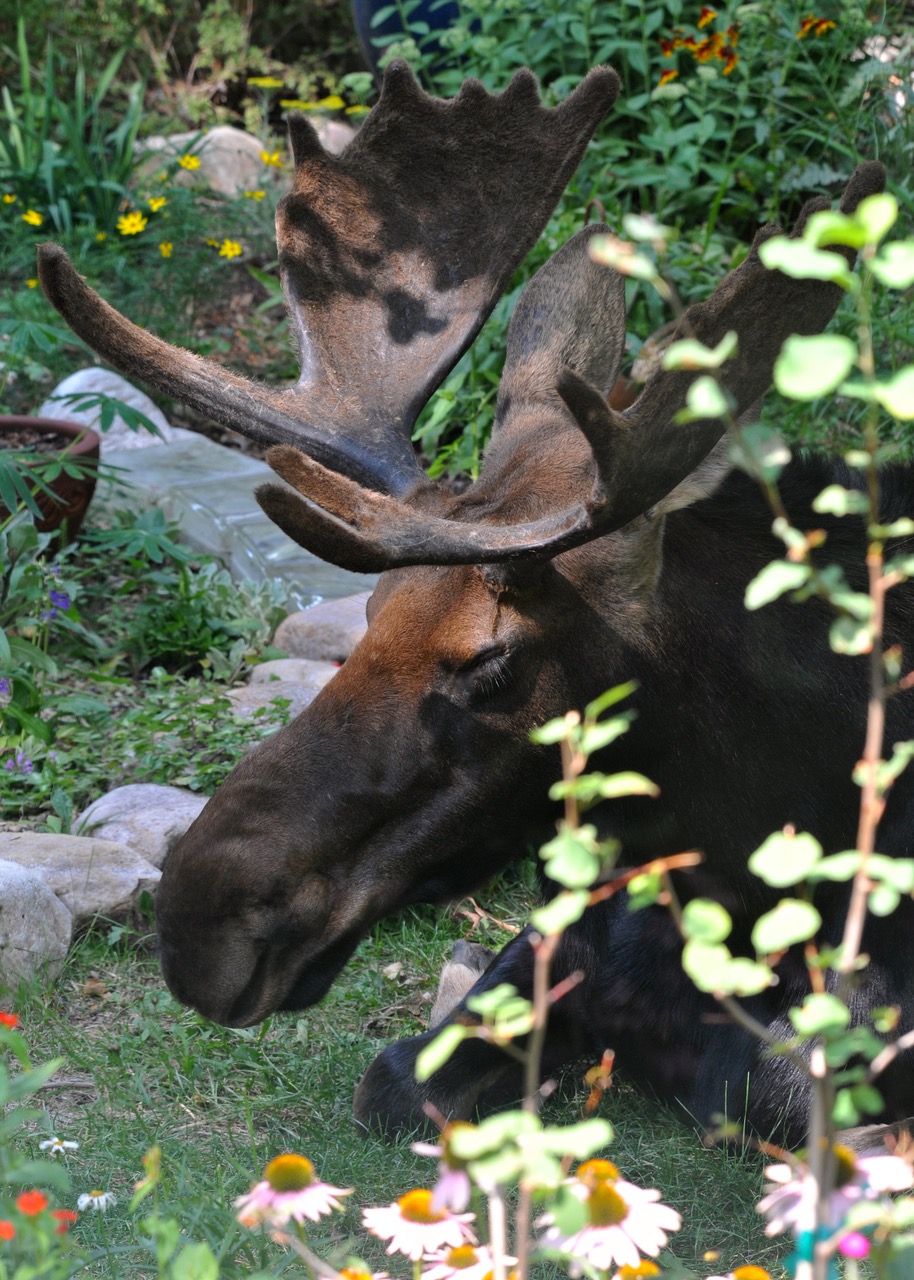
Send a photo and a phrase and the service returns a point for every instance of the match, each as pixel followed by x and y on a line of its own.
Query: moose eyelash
pixel 489 671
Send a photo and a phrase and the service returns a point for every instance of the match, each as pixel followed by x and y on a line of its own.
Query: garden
pixel 133 1130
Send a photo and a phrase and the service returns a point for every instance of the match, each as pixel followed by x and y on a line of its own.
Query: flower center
pixel 845 1168
pixel 751 1273
pixel 463 1256
pixel 592 1172
pixel 355 1273
pixel 605 1207
pixel 644 1268
pixel 416 1206
pixel 289 1173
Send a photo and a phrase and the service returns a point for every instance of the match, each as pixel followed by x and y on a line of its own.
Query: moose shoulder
pixel 596 547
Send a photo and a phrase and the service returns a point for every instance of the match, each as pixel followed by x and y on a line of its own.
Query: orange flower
pixel 64 1218
pixel 31 1203
pixel 706 17
pixel 733 33
pixel 730 59
pixel 818 26
pixel 823 25
pixel 667 77
pixel 7 1230
pixel 667 47
pixel 9 1020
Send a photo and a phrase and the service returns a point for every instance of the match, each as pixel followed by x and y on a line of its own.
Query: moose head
pixel 412 777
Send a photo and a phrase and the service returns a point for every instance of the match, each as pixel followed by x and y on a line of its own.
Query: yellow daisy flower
pixel 131 224
pixel 230 249
pixel 189 162
pixel 33 217
pixel 254 195
pixel 272 158
pixel 156 202
pixel 9 198
pixel 32 282
pixel 265 82
pixel 166 248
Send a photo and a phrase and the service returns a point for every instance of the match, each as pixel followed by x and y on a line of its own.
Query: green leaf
pixel 644 890
pixel 759 451
pixel 572 857
pixel 835 500
pixel 704 399
pixel 883 900
pixel 772 581
pixel 689 353
pixel 195 1262
pixel 877 214
pixel 895 264
pixel 803 262
pixel 562 911
pixel 712 968
pixel 595 709
pixel 838 867
pixel 820 1014
pixel 706 921
pixel 596 736
pixel 897 395
pixel 551 732
pixel 436 1054
pixel 808 367
pixel 830 227
pixel 785 859
pixel 609 251
pixel 791 921
pixel 569 1212
pixel 850 636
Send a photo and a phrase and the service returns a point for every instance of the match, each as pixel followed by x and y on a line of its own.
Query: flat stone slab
pixel 90 877
pixel 35 927
pixel 144 816
pixel 249 699
pixel 327 632
pixel 303 671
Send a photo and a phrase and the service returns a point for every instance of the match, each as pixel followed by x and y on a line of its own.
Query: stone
pixel 145 816
pixel 98 381
pixel 335 135
pixel 35 927
pixel 248 699
pixel 229 158
pixel 90 877
pixel 327 632
pixel 301 671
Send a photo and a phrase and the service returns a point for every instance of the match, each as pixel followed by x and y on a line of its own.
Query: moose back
pixel 597 546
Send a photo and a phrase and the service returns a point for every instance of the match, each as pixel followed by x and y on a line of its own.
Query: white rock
pixel 90 877
pixel 248 700
pixel 35 927
pixel 145 816
pixel 98 381
pixel 335 135
pixel 328 632
pixel 229 158
pixel 301 671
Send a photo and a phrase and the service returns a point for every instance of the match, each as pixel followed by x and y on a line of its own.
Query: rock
pixel 335 135
pixel 468 961
pixel 144 816
pixel 97 381
pixel 90 877
pixel 328 632
pixel 301 671
pixel 251 697
pixel 35 927
pixel 229 158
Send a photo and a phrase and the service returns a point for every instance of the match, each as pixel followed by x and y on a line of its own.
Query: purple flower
pixel 9 765
pixel 18 765
pixel 4 685
pixel 59 599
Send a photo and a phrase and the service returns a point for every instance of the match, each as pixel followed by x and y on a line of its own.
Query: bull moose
pixel 596 546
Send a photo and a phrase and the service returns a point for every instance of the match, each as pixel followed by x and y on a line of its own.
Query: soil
pixel 28 440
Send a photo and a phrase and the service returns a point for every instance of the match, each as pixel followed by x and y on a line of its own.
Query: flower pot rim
pixel 89 439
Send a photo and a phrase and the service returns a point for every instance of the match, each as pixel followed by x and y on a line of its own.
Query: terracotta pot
pixel 72 494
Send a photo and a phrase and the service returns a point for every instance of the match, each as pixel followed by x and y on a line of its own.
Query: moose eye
pixel 487 672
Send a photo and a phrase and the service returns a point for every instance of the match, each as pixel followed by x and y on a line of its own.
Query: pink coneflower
pixel 414 1227
pixel 624 1221
pixel 289 1192
pixel 791 1202
pixel 453 1188
pixel 463 1263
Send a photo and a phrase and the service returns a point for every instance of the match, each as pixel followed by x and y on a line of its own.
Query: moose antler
pixel 392 256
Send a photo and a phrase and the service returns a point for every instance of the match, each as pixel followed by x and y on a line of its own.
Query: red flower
pixel 7 1230
pixel 9 1019
pixel 31 1202
pixel 64 1217
pixel 667 77
pixel 707 15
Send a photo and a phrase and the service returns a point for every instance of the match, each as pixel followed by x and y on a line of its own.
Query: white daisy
pixel 463 1263
pixel 97 1200
pixel 791 1202
pixel 57 1146
pixel 414 1227
pixel 289 1191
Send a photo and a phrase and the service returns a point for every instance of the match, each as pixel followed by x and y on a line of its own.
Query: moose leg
pixel 389 1099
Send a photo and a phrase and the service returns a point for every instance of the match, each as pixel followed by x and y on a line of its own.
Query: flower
pixel 289 1191
pixel 644 1268
pixel 5 687
pixel 100 1201
pixel 854 1245
pixel 57 1145
pixel 9 198
pixel 353 1272
pixel 744 1273
pixel 464 1261
pixel 166 248
pixel 230 249
pixel 33 217
pixel 414 1227
pixel 10 1020
pixel 706 17
pixel 64 1218
pixel 791 1202
pixel 7 1230
pixel 32 282
pixel 189 162
pixel 297 104
pixel 131 224
pixel 265 82
pixel 31 1203
pixel 255 195
pixel 156 203
pixel 272 158
pixel 453 1188
pixel 666 77
pixel 101 235
pixel 818 26
pixel 331 103
pixel 624 1221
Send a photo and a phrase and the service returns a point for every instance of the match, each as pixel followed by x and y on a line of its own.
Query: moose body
pixel 596 547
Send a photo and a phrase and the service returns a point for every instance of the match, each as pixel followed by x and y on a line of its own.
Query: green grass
pixel 140 1070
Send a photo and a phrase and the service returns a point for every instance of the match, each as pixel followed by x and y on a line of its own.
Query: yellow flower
pixel 131 224
pixel 32 283
pixel 230 249
pixel 254 195
pixel 33 217
pixel 166 248
pixel 272 158
pixel 265 82
pixel 156 202
pixel 212 242
pixel 297 104
pixel 332 103
pixel 706 17
pixel 101 235
pixel 356 111
pixel 189 162
pixel 9 198
pixel 666 77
